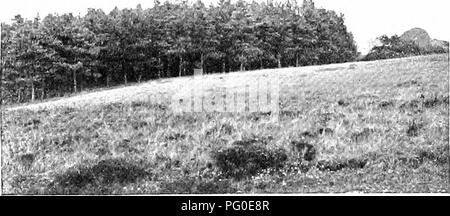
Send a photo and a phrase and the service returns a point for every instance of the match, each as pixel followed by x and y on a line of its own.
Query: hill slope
pixel 357 127
pixel 158 90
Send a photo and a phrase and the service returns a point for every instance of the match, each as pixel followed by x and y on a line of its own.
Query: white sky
pixel 366 19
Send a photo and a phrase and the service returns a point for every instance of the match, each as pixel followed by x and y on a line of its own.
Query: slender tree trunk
pixel 242 64
pixel 296 61
pixel 168 74
pixel 43 90
pixel 159 68
pixel 18 96
pixel 125 78
pixel 180 66
pixel 261 64
pixel 202 63
pixel 74 81
pixel 279 60
pixel 108 79
pixel 223 66
pixel 32 91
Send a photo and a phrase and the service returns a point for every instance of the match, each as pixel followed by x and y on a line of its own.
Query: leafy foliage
pixel 395 47
pixel 62 54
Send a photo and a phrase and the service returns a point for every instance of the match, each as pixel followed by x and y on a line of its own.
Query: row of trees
pixel 395 47
pixel 66 53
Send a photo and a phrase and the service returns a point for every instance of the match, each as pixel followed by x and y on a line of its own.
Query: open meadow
pixel 370 127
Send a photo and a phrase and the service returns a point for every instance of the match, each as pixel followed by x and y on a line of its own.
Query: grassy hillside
pixel 356 127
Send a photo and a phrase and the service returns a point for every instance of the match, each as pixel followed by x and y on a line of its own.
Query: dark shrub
pixel 435 101
pixel 247 158
pixel 27 160
pixel 393 47
pixel 386 104
pixel 354 163
pixel 308 134
pixel 100 176
pixel 326 131
pixel 413 129
pixel 362 135
pixel 342 102
pixel 304 150
pixel 438 155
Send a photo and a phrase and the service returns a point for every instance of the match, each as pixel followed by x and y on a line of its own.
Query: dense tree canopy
pixel 65 53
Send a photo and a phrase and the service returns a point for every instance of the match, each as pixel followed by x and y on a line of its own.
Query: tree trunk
pixel 43 90
pixel 202 63
pixel 125 78
pixel 159 68
pixel 108 80
pixel 180 66
pixel 74 81
pixel 223 67
pixel 279 60
pixel 32 91
pixel 296 61
pixel 261 64
pixel 168 67
pixel 18 96
pixel 43 93
pixel 242 64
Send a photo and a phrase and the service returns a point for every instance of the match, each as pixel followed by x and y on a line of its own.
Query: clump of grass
pixel 343 103
pixel 435 101
pixel 308 134
pixel 98 177
pixel 386 104
pixel 256 116
pixel 175 136
pixel 303 150
pixel 413 129
pixel 33 122
pixel 439 155
pixel 325 131
pixel 220 129
pixel 409 83
pixel 362 135
pixel 27 160
pixel 247 158
pixel 336 165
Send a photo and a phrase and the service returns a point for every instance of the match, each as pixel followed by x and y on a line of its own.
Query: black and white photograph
pixel 224 97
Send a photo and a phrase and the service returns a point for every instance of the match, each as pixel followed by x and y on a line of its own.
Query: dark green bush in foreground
pixel 101 177
pixel 248 158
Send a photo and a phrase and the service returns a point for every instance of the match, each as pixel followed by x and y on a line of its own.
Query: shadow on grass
pixel 248 157
pixel 98 178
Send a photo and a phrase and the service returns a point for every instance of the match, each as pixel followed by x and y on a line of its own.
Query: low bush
pixel 247 158
pixel 98 178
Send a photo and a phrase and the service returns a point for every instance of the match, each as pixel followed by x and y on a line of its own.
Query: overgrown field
pixel 358 127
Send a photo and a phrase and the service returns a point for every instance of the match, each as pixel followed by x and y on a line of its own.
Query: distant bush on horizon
pixel 398 47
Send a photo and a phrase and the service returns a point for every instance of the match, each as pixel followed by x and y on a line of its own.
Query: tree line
pixel 60 54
